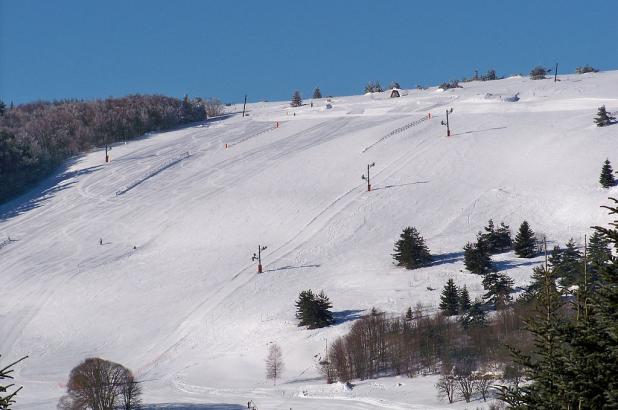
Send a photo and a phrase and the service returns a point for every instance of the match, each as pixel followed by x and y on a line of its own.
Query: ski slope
pixel 186 310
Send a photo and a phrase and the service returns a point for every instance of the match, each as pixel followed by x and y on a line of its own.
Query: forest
pixel 36 138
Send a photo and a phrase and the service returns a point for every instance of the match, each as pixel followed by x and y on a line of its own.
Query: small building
pixel 395 93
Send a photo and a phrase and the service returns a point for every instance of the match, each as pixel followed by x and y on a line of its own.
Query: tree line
pixel 35 138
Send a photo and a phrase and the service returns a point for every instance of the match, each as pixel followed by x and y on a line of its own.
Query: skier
pixel 101 241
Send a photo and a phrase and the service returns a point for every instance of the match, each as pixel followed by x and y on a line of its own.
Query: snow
pixel 186 310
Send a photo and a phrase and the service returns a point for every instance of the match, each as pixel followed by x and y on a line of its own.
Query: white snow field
pixel 186 310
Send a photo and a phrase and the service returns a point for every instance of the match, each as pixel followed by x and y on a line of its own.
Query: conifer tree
pixel 545 389
pixel 8 398
pixel 524 244
pixel 570 267
pixel 313 310
pixel 449 299
pixel 297 101
pixel 2 107
pixel 503 240
pixel 475 316
pixel 498 287
pixel 476 258
pixel 464 300
pixel 598 254
pixel 394 84
pixel 607 179
pixel 555 257
pixel 317 93
pixel 495 240
pixel 603 118
pixel 410 250
pixel 409 315
pixel 324 316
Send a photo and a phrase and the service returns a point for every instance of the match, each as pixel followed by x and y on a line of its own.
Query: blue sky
pixel 267 49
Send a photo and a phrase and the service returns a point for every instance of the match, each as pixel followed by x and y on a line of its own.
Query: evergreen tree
pixel 409 315
pixel 464 300
pixel 498 287
pixel 394 84
pixel 603 118
pixel 8 398
pixel 475 316
pixel 598 254
pixel 2 107
pixel 495 240
pixel 323 315
pixel 304 308
pixel 449 299
pixel 555 257
pixel 503 241
pixel 570 267
pixel 607 179
pixel 316 93
pixel 410 250
pixel 524 244
pixel 373 87
pixel 476 258
pixel 313 310
pixel 297 101
pixel 545 389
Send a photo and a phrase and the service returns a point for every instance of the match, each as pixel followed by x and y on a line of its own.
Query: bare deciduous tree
pixel 99 384
pixel 214 107
pixel 446 386
pixel 274 363
pixel 484 381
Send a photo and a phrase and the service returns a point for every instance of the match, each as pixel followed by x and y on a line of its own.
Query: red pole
pixel 259 268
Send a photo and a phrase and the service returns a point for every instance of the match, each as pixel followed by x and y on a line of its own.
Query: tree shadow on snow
pixel 445 258
pixel 346 315
pixel 504 265
pixel 399 185
pixel 192 406
pixel 44 190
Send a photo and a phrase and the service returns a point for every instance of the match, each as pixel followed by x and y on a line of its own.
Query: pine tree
pixel 598 254
pixel 410 250
pixel 603 118
pixel 607 179
pixel 476 258
pixel 324 316
pixel 313 310
pixel 503 240
pixel 6 398
pixel 546 388
pixel 305 308
pixel 555 257
pixel 297 101
pixel 464 300
pixel 316 93
pixel 475 316
pixel 409 315
pixel 394 84
pixel 488 238
pixel 524 244
pixel 449 299
pixel 2 107
pixel 498 287
pixel 571 266
pixel 373 87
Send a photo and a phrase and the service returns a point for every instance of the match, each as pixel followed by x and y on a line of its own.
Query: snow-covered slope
pixel 186 310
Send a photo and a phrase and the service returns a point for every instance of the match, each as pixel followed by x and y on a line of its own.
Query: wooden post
pixel 244 105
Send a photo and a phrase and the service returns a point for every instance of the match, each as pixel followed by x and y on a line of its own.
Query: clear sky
pixel 53 49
